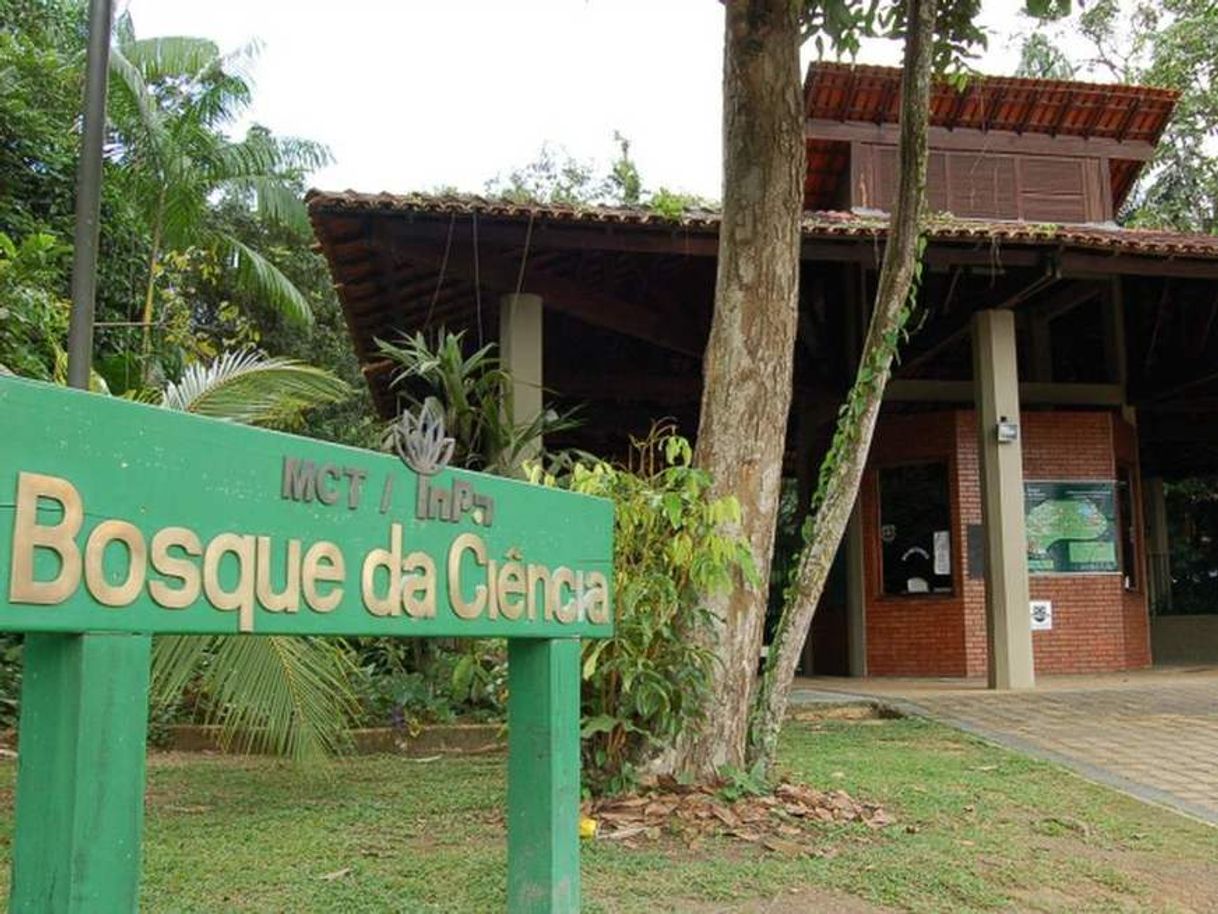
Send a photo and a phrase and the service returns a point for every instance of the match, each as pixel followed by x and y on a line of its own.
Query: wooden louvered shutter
pixel 887 179
pixel 1052 189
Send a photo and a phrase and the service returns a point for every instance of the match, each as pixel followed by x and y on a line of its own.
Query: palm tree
pixel 174 99
pixel 286 695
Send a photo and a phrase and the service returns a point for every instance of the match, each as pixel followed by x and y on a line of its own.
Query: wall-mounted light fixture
pixel 1006 430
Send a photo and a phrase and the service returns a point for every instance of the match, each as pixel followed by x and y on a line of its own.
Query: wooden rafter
pixel 1127 121
pixel 955 332
pixel 587 302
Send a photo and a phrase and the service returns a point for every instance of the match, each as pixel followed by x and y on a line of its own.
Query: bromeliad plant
pixel 648 683
pixel 474 394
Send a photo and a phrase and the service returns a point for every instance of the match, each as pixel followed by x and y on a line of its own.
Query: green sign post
pixel 121 518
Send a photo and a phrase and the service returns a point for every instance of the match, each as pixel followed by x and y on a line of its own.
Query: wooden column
pixel 1157 545
pixel 1008 616
pixel 543 776
pixel 856 593
pixel 520 352
pixel 80 774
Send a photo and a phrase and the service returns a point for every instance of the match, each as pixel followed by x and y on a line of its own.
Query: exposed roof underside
pixel 1127 115
pixel 629 297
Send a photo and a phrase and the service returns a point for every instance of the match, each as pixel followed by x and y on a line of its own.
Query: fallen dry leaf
pixel 786 848
pixel 788 816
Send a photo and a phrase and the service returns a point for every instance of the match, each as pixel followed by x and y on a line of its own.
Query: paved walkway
pixel 1151 733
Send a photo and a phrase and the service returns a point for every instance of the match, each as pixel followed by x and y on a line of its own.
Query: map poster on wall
pixel 1071 527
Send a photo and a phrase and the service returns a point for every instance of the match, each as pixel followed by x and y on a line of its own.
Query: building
pixel 1089 351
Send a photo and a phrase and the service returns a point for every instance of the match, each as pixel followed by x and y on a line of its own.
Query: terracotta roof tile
pixel 850 92
pixel 820 224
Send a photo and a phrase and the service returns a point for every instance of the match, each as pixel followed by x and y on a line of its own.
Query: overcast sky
pixel 415 94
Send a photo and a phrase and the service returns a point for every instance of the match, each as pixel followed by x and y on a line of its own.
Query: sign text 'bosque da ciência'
pixel 125 517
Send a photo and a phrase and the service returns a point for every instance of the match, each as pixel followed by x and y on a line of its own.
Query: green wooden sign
pixel 118 517
pixel 124 517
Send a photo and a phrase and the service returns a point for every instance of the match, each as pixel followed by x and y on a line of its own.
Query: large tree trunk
pixel 747 369
pixel 842 469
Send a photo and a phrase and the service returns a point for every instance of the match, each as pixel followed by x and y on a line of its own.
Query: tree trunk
pixel 842 469
pixel 748 364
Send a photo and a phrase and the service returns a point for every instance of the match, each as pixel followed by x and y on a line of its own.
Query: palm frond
pixel 171 56
pixel 148 395
pixel 273 199
pixel 130 84
pixel 252 388
pixel 303 156
pixel 259 276
pixel 285 695
pixel 258 155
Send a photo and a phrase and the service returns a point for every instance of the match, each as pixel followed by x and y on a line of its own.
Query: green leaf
pixel 602 723
pixel 286 695
pixel 673 509
pixel 463 675
pixel 249 387
pixel 261 277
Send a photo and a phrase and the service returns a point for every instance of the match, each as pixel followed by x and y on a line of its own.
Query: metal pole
pixel 88 196
pixel 84 697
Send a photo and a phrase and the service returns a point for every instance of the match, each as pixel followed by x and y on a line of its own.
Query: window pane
pixel 915 525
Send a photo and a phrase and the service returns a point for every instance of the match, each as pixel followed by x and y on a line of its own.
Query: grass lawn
pixel 978 829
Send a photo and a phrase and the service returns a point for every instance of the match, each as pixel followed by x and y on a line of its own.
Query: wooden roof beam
pixel 591 305
pixel 957 331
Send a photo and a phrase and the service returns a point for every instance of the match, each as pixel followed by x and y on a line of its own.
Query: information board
pixel 1071 527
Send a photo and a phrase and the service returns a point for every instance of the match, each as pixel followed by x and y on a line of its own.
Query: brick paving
pixel 1152 733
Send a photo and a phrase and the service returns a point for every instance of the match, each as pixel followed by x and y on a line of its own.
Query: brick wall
pixel 1097 624
pixel 919 635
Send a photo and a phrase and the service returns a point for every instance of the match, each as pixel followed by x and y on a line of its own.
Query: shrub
pixel 408 689
pixel 645 685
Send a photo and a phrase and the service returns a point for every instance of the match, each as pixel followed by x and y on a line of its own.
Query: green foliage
pixel 205 237
pixel 40 91
pixel 624 177
pixel 842 25
pixel 1192 516
pixel 649 682
pixel 290 696
pixel 674 204
pixel 437 685
pixel 173 102
pixel 285 695
pixel 475 395
pixel 10 678
pixel 33 319
pixel 203 313
pixel 250 388
pixel 1163 43
pixel 555 177
pixel 1040 58
pixel 873 372
pixel 744 782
